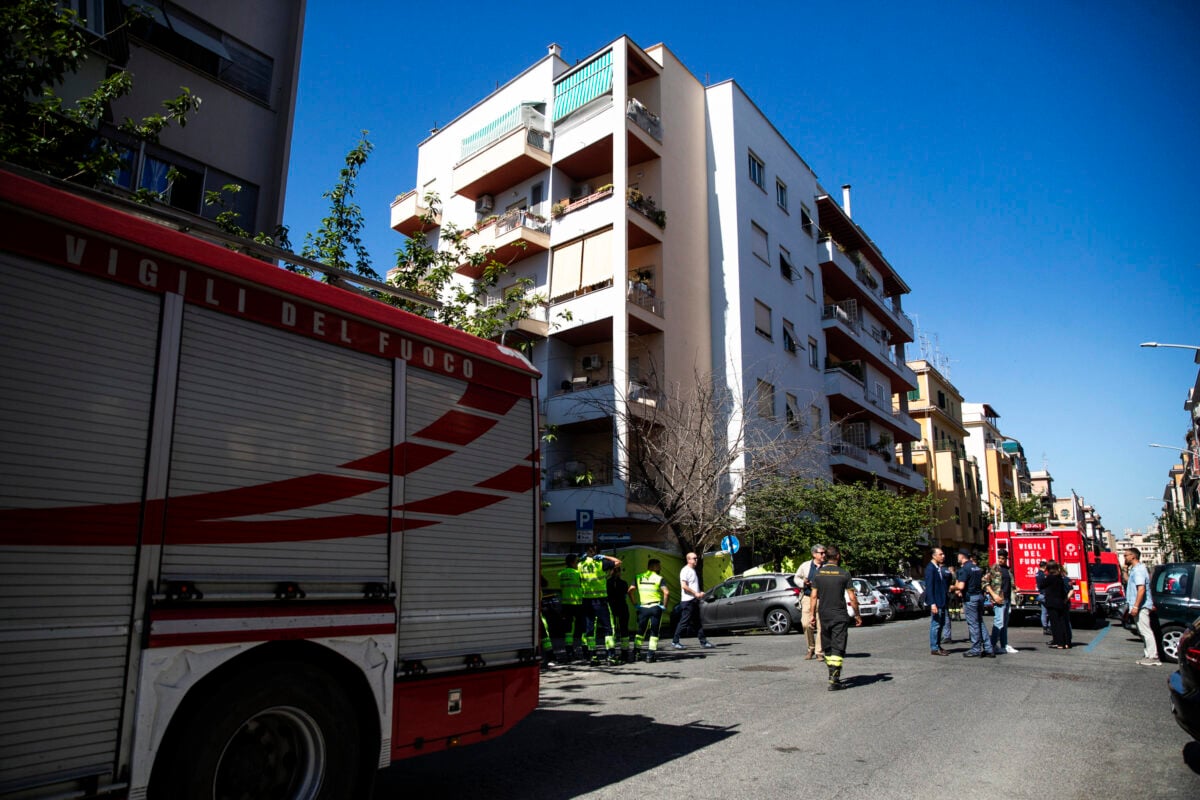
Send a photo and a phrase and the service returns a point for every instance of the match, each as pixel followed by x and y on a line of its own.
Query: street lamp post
pixel 1196 348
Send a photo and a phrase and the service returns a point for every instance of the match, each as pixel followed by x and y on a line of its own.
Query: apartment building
pixel 243 61
pixel 951 473
pixel 998 470
pixel 676 235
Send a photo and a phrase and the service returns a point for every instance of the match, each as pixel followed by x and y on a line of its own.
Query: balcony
pixel 516 235
pixel 642 117
pixel 410 214
pixel 579 472
pixel 645 221
pixel 849 273
pixel 503 153
pixel 643 296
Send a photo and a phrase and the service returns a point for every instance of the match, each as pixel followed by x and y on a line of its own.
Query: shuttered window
pixel 582 86
pixel 762 318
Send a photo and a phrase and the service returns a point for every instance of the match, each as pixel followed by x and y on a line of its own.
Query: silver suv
pixel 768 600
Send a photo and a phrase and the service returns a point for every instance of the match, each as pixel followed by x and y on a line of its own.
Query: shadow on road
pixel 550 755
pixel 854 681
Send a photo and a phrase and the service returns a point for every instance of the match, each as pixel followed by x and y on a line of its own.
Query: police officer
pixel 595 605
pixel 570 584
pixel 970 583
pixel 650 594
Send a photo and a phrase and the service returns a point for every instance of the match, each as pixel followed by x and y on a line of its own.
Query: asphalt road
pixel 752 719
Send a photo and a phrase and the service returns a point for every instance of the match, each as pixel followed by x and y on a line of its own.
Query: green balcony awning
pixel 581 87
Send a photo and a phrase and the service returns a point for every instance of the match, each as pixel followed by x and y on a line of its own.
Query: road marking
pixel 1096 641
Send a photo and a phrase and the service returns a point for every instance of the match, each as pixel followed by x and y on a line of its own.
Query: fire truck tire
pixel 281 731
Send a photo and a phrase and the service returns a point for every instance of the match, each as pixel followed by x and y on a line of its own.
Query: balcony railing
pixel 522 116
pixel 644 395
pixel 852 368
pixel 641 116
pixel 646 205
pixel 845 312
pixel 580 472
pixel 521 218
pixel 643 296
pixel 847 449
pixel 567 206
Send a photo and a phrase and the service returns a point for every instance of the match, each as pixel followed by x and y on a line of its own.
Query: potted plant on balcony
pixel 559 208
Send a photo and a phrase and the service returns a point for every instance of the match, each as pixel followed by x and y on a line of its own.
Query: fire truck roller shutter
pixel 481 543
pixel 76 382
pixel 264 421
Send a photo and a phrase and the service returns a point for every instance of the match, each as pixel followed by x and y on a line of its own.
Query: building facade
pixel 951 474
pixel 241 59
pixel 677 238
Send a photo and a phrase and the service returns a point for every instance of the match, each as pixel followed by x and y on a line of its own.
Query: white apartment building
pixel 631 186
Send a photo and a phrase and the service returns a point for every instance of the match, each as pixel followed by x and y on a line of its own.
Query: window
pixel 757 171
pixel 914 394
pixel 758 243
pixel 810 284
pixel 813 355
pixel 89 13
pixel 789 337
pixel 537 193
pixel 792 411
pixel 765 400
pixel 814 416
pixel 205 48
pixel 762 319
pixel 941 399
pixel 785 264
pixel 806 223
pixel 781 194
pixel 879 394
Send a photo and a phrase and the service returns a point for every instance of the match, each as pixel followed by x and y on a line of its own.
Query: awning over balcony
pixel 594 79
pixel 523 115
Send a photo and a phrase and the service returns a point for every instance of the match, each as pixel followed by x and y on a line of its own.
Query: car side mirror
pixel 708 598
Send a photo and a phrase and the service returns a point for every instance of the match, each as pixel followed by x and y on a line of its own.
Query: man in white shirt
pixel 689 608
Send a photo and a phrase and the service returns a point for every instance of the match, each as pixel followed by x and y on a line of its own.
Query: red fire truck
pixel 1104 570
pixel 1029 544
pixel 242 518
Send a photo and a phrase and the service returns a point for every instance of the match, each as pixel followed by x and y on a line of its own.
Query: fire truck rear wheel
pixel 281 732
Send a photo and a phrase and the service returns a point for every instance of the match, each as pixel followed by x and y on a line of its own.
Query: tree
pixel 1180 531
pixel 341 230
pixel 692 455
pixel 1031 508
pixel 435 270
pixel 875 528
pixel 39 131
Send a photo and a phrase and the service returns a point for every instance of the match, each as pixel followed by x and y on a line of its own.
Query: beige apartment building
pixel 941 456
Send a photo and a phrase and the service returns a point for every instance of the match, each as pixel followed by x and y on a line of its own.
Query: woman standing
pixel 1057 606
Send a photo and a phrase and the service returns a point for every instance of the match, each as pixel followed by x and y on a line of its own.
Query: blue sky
pixel 1030 168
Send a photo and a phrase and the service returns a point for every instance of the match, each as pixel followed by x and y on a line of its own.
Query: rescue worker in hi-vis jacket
pixel 650 594
pixel 595 606
pixel 570 585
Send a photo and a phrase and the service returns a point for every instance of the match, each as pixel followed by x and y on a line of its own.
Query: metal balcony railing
pixel 521 116
pixel 521 218
pixel 847 449
pixel 579 472
pixel 644 119
pixel 643 296
pixel 845 312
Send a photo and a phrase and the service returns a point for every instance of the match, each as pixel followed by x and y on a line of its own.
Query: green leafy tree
pixel 876 528
pixel 1179 531
pixel 338 241
pixel 39 130
pixel 1031 508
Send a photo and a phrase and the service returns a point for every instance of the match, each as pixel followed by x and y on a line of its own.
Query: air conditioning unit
pixel 592 362
pixel 485 203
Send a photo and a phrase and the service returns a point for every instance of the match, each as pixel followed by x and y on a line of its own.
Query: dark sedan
pixel 1185 682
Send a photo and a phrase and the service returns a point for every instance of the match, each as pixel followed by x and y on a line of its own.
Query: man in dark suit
pixel 937 579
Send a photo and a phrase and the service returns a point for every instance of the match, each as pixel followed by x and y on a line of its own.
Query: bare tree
pixel 692 453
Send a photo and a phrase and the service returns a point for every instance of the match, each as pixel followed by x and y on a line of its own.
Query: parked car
pixel 1184 683
pixel 896 589
pixel 871 603
pixel 1176 596
pixel 918 587
pixel 768 600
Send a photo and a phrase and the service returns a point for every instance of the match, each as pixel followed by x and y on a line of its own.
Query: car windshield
pixel 1104 572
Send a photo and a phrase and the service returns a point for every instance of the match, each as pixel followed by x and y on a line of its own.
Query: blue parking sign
pixel 583 519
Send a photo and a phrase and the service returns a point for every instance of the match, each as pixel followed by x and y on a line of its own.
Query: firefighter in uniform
pixel 650 594
pixel 830 593
pixel 618 604
pixel 570 585
pixel 595 606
